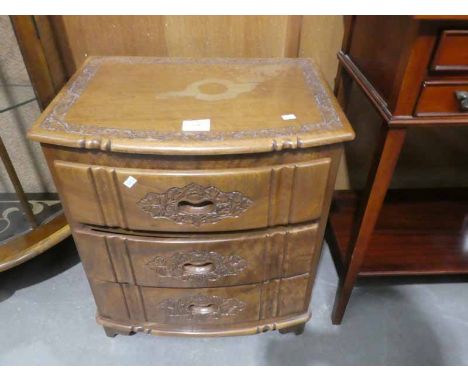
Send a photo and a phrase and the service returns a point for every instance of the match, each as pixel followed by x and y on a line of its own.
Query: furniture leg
pixel 110 332
pixel 296 329
pixel 385 160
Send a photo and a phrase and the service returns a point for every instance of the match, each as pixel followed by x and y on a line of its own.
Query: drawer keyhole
pixel 203 207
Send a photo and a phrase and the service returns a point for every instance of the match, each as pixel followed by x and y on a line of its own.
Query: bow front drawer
pixel 193 200
pixel 197 261
pixel 202 308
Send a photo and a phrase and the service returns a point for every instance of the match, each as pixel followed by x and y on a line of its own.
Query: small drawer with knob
pixel 197 261
pixel 443 98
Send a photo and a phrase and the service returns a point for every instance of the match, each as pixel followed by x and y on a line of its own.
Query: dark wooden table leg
pixel 380 175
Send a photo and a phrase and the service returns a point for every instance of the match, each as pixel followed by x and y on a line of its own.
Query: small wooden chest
pixel 197 189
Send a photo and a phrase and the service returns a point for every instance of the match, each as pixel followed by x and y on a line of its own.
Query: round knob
pixel 462 97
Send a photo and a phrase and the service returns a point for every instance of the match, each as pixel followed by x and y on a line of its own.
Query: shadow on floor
pixel 56 260
pixel 371 334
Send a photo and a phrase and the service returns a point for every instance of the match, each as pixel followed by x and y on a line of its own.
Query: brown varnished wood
pixel 223 260
pixel 386 157
pixel 24 247
pixel 419 43
pixel 263 196
pixel 391 56
pixel 438 98
pixel 377 54
pixel 283 325
pixel 188 162
pixel 417 232
pixel 244 305
pixel 324 217
pixel 292 41
pixel 394 121
pixel 320 38
pixel 206 36
pixel 245 101
pixel 343 80
pixel 160 305
pixel 218 240
pixel 451 54
pixel 369 236
pixel 355 74
pixel 34 58
pixel 48 39
pixel 66 41
pixel 441 17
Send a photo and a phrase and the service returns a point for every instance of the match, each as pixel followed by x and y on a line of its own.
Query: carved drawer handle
pixel 195 204
pixel 196 265
pixel 196 208
pixel 203 309
pixel 462 97
pixel 198 268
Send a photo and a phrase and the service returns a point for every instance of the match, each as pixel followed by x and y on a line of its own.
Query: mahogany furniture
pixel 414 72
pixel 197 190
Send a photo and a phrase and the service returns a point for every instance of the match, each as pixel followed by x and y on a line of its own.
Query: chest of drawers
pixel 197 190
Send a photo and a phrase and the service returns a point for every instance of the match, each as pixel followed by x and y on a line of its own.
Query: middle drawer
pixel 197 260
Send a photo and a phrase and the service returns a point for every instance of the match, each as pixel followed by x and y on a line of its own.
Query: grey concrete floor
pixel 47 318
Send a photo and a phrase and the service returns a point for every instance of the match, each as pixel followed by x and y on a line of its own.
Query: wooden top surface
pixel 139 104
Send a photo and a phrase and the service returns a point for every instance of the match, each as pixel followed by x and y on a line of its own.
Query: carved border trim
pixel 55 121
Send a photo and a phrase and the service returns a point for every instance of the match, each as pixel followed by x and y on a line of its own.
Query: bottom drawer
pixel 192 309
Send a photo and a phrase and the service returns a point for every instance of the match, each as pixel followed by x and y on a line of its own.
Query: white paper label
pixel 288 117
pixel 196 125
pixel 130 182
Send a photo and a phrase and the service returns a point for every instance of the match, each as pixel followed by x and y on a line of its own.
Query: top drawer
pixel 195 200
pixel 451 53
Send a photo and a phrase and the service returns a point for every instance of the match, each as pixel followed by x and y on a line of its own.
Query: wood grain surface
pixel 197 261
pixel 253 105
pixel 257 197
pixel 220 239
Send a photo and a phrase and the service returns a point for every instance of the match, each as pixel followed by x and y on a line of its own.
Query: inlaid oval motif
pixel 197 265
pixel 200 307
pixel 206 90
pixel 194 204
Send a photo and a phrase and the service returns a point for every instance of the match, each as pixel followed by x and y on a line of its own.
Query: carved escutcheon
pixel 201 307
pixel 197 265
pixel 194 204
